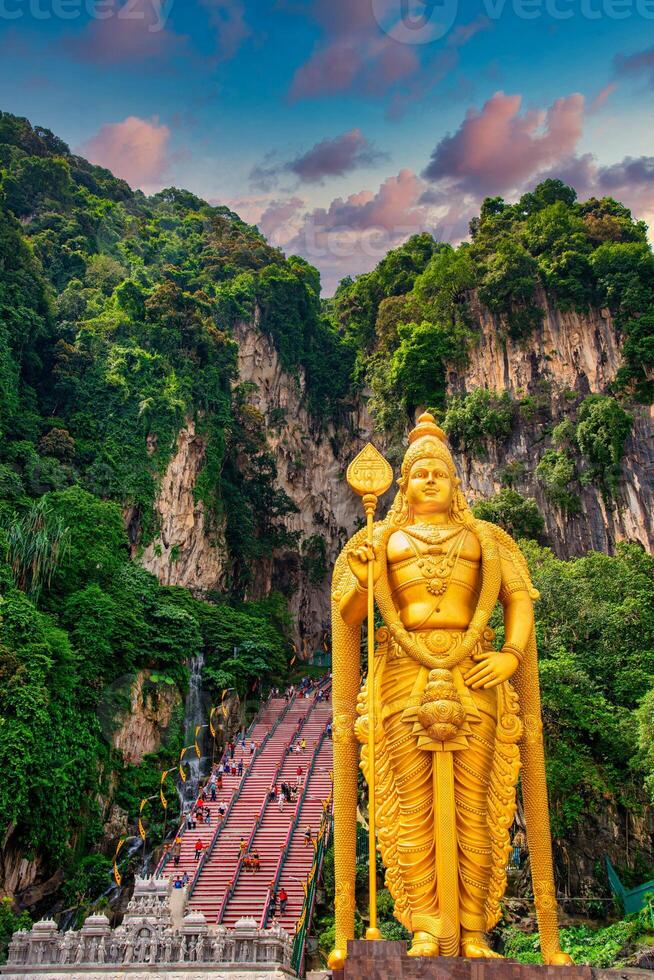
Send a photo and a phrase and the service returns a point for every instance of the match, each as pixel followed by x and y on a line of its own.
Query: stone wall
pixel 149 943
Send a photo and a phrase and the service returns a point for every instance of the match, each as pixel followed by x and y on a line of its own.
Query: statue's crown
pixel 426 427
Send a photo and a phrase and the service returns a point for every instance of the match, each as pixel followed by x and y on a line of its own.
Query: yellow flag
pixel 117 875
pixel 141 827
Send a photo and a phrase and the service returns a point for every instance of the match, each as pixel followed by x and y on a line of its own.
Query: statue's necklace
pixel 436 570
pixel 432 533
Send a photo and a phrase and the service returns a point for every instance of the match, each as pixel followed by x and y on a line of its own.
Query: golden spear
pixel 370 476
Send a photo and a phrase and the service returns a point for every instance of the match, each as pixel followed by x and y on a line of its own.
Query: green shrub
pixel 556 471
pixel 603 427
pixel 471 420
pixel 518 515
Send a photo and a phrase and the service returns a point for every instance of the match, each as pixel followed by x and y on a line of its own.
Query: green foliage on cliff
pixel 519 516
pixel 416 313
pixel 117 314
pixel 595 632
pixel 607 946
pixel 474 418
pixel 588 450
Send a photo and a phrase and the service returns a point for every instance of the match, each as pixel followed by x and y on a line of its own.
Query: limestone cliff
pixel 571 355
pixel 143 727
pixel 184 552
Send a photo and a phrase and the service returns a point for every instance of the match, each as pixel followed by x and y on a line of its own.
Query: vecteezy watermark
pixel 415 21
pixel 423 21
pixel 153 13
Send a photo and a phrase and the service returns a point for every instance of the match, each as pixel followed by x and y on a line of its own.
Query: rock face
pixel 142 728
pixel 571 356
pixel 186 552
pixel 311 465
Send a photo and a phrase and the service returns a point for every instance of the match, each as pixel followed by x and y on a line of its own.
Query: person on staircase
pixel 199 848
pixel 242 848
pixel 239 768
pixel 303 744
pixel 280 802
pixel 177 850
pixel 283 899
pixel 308 836
pixel 256 861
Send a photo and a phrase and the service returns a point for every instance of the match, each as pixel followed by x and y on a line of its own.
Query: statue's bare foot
pixel 424 944
pixel 475 947
pixel 336 959
pixel 558 959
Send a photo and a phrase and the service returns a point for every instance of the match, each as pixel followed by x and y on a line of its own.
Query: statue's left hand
pixel 491 668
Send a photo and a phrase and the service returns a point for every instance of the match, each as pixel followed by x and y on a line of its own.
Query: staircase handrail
pixel 293 826
pixel 235 796
pixel 209 849
pixel 258 713
pixel 262 812
pixel 231 888
pixel 303 924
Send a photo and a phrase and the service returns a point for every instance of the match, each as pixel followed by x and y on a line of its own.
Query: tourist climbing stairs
pixel 298 856
pixel 233 787
pixel 221 864
pixel 277 828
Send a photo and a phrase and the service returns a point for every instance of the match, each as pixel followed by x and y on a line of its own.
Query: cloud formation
pixel 376 48
pixel 327 158
pixel 227 18
pixel 139 31
pixel 134 30
pixel 640 64
pixel 497 148
pixel 135 149
pixel 352 234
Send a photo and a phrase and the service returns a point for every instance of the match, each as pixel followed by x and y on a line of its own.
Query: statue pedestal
pixel 384 960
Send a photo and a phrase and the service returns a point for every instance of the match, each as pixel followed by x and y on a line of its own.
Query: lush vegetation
pixel 116 328
pixel 414 316
pixel 118 315
pixel 606 946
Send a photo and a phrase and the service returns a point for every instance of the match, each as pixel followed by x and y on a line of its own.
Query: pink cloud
pixel 497 148
pixel 368 47
pixel 602 97
pixel 372 64
pixel 352 234
pixel 465 32
pixel 135 30
pixel 134 149
pixel 274 222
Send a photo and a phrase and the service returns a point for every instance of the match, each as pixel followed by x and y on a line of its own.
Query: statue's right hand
pixel 359 558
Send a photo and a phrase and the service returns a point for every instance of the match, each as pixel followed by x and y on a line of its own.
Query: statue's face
pixel 429 487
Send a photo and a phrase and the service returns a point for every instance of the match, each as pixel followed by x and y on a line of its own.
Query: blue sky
pixel 318 120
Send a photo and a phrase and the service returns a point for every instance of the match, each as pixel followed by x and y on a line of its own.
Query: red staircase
pixel 209 890
pixel 299 858
pixel 251 891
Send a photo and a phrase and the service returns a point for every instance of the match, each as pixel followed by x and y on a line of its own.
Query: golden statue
pixel 450 731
